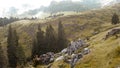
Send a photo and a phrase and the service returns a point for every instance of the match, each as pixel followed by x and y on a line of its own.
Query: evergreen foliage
pixel 115 19
pixel 16 54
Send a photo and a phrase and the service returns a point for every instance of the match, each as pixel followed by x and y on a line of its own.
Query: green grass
pixel 102 52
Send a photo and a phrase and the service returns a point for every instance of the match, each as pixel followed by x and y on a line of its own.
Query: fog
pixel 33 7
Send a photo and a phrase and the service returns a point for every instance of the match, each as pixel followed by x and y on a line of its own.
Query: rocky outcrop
pixel 113 32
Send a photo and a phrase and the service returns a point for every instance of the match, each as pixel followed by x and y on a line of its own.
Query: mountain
pixel 63 6
pixel 103 53
pixel 69 5
pixel 93 24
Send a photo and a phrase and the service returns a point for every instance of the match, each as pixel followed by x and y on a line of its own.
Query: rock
pixel 73 55
pixel 80 55
pixel 86 51
pixel 64 51
pixel 67 59
pixel 74 60
pixel 60 58
pixel 51 59
pixel 44 58
pixel 74 46
pixel 113 32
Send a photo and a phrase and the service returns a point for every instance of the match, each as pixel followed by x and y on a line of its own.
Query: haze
pixel 20 6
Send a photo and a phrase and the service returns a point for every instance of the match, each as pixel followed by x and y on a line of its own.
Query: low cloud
pixel 12 11
pixel 28 11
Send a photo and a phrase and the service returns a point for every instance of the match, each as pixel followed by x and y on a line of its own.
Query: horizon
pixel 11 7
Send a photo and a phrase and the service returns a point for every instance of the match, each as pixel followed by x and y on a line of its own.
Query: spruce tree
pixel 40 41
pixel 62 40
pixel 20 54
pixel 16 54
pixel 51 39
pixel 11 48
pixel 38 47
pixel 115 19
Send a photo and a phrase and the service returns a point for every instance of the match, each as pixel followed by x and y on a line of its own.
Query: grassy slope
pixel 103 53
pixel 81 25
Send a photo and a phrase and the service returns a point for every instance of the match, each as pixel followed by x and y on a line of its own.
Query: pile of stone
pixel 74 58
pixel 44 58
pixel 68 54
pixel 74 46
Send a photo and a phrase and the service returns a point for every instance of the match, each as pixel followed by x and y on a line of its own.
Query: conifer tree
pixel 115 19
pixel 50 39
pixel 62 40
pixel 16 54
pixel 11 48
pixel 40 40
pixel 20 54
pixel 38 43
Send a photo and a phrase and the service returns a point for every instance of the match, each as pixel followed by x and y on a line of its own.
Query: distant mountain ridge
pixel 68 5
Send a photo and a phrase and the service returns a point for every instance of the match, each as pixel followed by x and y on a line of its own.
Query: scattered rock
pixel 68 54
pixel 113 32
pixel 44 58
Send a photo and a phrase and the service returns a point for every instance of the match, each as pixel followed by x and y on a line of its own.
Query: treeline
pixel 49 41
pixel 44 42
pixel 5 20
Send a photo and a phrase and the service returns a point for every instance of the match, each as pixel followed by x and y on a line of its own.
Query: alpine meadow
pixel 60 34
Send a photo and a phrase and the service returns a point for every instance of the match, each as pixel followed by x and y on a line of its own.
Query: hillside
pixel 92 24
pixel 103 53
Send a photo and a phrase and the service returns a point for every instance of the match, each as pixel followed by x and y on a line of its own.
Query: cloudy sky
pixel 21 6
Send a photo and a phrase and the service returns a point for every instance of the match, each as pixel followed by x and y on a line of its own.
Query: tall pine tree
pixel 50 38
pixel 11 48
pixel 16 54
pixel 62 40
pixel 115 19
pixel 20 54
pixel 40 41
